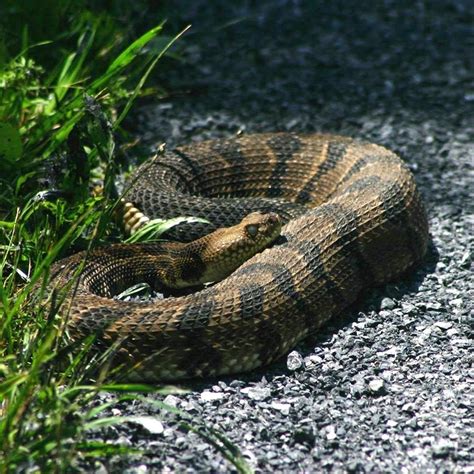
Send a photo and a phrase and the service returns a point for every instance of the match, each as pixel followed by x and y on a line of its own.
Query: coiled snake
pixel 352 219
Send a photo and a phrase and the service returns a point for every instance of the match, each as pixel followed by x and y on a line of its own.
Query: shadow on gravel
pixel 317 52
pixel 398 73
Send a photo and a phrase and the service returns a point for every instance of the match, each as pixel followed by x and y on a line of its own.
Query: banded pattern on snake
pixel 352 219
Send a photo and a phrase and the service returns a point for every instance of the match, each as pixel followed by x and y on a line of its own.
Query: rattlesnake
pixel 352 219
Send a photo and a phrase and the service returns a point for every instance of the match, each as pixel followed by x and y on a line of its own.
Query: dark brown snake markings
pixel 353 219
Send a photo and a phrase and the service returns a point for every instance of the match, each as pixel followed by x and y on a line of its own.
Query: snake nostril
pixel 273 218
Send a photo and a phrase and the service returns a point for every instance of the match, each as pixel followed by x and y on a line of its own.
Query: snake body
pixel 352 219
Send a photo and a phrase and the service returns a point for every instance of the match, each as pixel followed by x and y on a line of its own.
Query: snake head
pixel 253 234
pixel 259 229
pixel 224 250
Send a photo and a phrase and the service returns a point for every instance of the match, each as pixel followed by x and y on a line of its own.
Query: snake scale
pixel 352 219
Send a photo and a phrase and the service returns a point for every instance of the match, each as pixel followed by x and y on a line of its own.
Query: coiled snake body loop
pixel 352 219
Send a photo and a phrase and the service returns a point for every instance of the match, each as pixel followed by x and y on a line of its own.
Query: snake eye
pixel 252 230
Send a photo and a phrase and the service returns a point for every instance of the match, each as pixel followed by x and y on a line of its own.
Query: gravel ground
pixel 387 387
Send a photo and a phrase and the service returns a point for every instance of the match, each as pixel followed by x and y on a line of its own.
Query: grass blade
pixel 145 76
pixel 129 54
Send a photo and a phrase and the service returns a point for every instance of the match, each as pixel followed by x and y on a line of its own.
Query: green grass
pixel 68 79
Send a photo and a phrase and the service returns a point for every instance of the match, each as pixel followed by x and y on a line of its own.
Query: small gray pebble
pixel 442 448
pixel 387 303
pixel 294 361
pixel 207 396
pixel 444 324
pixel 256 393
pixel 377 386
